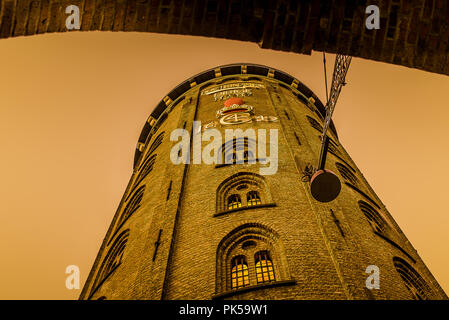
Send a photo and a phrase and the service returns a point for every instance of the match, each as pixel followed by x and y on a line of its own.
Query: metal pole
pixel 323 153
pixel 338 81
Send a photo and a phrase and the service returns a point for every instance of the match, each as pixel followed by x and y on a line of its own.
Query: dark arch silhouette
pixel 412 33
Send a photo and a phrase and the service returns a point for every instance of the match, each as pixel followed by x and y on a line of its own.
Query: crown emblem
pixel 234 105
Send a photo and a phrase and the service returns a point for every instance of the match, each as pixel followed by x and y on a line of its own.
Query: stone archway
pixel 412 33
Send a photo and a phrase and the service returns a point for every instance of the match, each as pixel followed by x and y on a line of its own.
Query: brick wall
pixel 413 33
pixel 319 251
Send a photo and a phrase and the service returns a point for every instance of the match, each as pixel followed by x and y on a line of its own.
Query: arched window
pixel 251 254
pixel 264 267
pixel 160 120
pixel 242 190
pixel 112 259
pixel 234 201
pixel 239 272
pixel 132 205
pixel 412 280
pixel 375 219
pixel 318 127
pixel 318 113
pixel 347 174
pixel 253 198
pixel 333 148
pixel 315 124
pixel 145 168
pixel 157 142
pixel 238 150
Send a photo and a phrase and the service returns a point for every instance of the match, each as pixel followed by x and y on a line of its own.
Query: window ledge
pixel 253 288
pixel 263 205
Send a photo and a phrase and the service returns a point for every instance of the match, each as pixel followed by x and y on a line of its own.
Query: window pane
pixel 264 267
pixel 234 201
pixel 253 198
pixel 239 273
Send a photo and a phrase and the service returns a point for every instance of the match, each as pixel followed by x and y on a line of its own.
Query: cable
pixel 325 78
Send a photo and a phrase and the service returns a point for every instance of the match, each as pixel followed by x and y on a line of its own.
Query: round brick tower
pixel 246 226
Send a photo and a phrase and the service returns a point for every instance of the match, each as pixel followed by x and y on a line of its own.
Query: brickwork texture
pixel 183 239
pixel 413 33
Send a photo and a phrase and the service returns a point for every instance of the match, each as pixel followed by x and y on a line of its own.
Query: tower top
pixel 222 71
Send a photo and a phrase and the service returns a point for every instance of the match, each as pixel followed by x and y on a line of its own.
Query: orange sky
pixel 72 107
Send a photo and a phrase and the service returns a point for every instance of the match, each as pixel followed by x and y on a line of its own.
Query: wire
pixel 325 78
